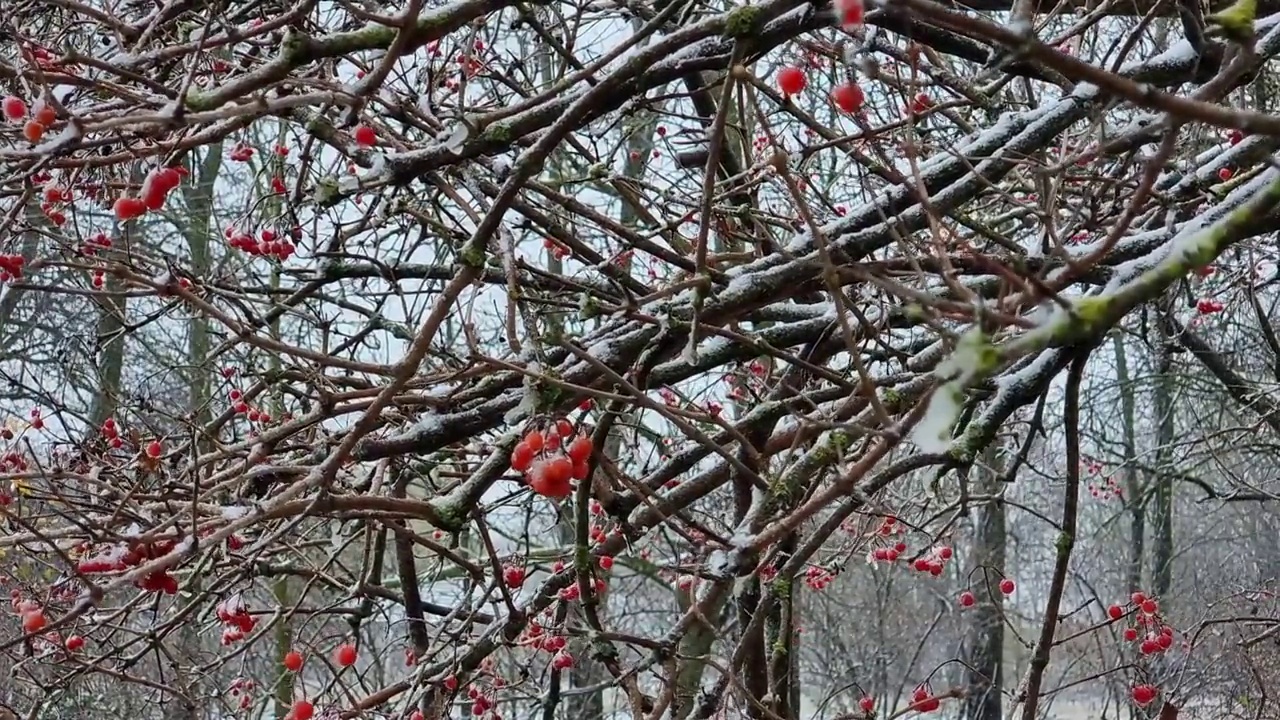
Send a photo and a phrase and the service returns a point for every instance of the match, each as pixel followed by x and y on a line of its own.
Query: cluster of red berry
pixel 1144 694
pixel 242 688
pixel 118 558
pixel 558 250
pixel 270 245
pixel 548 464
pixel 159 581
pixel 818 578
pixel 111 433
pixel 30 612
pixel 933 561
pixel 241 152
pixel 11 267
pixel 1109 488
pixel 968 599
pixel 15 110
pixel 1156 635
pixel 1146 619
pixel 1208 306
pixel 241 407
pixel 13 461
pixel 155 190
pixel 234 614
pixel 922 700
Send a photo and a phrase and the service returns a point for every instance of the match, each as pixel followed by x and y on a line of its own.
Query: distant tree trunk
pixel 199 214
pixel 984 644
pixel 110 339
pixel 1133 501
pixel 1162 507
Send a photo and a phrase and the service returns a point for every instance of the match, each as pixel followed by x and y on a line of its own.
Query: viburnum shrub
pixel 504 359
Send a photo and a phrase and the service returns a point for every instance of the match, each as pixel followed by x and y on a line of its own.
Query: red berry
pixel 14 108
pixel 945 552
pixel 564 428
pixel 154 449
pixel 128 208
pixel 513 576
pixel 1224 174
pixel 868 704
pixel 1130 634
pixel 967 599
pixel 535 440
pixel 522 457
pixel 849 13
pixel 560 469
pixel 46 115
pixel 580 449
pixel 792 80
pixel 451 683
pixel 1149 606
pixel 345 655
pixel 1115 612
pixel 1137 598
pixel 920 103
pixel 293 661
pixel 74 643
pixel 848 97
pixel 365 136
pixel 1234 137
pixel 33 131
pixel 550 479
pixel 33 621
pixel 606 562
pixel 1144 694
pixel 1007 587
pixel 303 710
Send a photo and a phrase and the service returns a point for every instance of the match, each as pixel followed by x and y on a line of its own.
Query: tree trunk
pixel 1162 507
pixel 984 644
pixel 1132 487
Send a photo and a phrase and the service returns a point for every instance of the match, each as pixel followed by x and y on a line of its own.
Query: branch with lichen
pixel 1086 319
